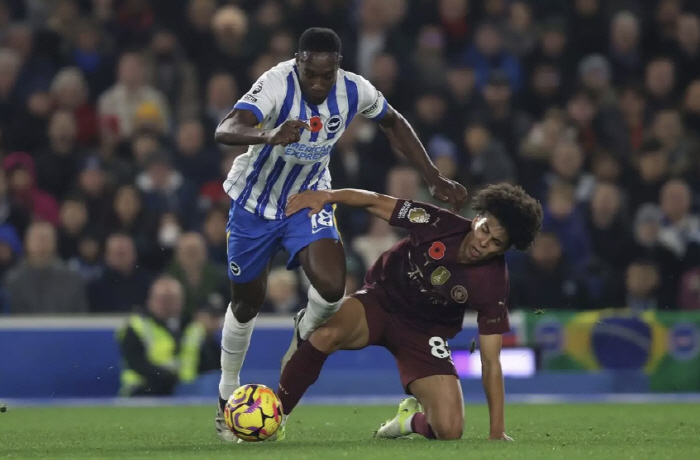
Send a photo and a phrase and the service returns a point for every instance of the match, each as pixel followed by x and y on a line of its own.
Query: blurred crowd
pixel 111 175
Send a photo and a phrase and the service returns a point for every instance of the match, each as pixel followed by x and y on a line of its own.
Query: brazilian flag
pixel 664 345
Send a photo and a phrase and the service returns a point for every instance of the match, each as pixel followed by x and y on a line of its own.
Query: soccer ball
pixel 253 412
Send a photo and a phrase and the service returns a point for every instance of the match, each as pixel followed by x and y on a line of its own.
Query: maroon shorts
pixel 418 354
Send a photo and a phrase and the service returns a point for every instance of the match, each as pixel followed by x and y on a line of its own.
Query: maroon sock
pixel 300 373
pixel 420 425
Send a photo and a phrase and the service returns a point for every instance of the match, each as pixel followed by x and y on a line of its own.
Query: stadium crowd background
pixel 111 174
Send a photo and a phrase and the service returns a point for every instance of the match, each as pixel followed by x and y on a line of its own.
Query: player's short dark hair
pixel 518 213
pixel 319 40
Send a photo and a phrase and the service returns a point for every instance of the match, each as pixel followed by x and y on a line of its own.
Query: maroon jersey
pixel 421 279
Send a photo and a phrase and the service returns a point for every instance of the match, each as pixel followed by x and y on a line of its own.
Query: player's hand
pixel 314 200
pixel 500 436
pixel 448 191
pixel 287 133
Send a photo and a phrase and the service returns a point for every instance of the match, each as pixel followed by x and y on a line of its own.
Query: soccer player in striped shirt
pixel 291 118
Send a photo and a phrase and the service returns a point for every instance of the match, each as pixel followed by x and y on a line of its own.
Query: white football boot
pixel 396 427
pixel 222 430
pixel 296 340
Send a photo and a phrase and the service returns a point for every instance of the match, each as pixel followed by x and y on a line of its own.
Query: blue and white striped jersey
pixel 264 177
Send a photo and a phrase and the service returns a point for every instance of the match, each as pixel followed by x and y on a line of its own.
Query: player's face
pixel 317 75
pixel 487 239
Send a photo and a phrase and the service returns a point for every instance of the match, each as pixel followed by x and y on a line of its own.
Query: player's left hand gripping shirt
pixel 423 281
pixel 264 177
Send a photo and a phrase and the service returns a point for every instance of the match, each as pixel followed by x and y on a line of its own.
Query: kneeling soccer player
pixel 414 300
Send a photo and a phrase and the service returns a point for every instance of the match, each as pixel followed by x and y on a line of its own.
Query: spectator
pixel 667 127
pixel 130 92
pixel 681 228
pixel 489 163
pixel 652 171
pixel 58 167
pixel 20 173
pixel 221 95
pixel 567 167
pixel 691 108
pixel 488 54
pixel 92 187
pixel 123 285
pixel 117 170
pixel 165 190
pixel 74 219
pixel 89 51
pixel 159 351
pixel 505 122
pixel 282 296
pixel 198 276
pixel 41 283
pixel 88 262
pixel 611 240
pixel 11 214
pixel 195 161
pixel 169 70
pixel 567 221
pixel 687 55
pixel 547 280
pixel 70 92
pixel 128 216
pixel 378 239
pixel 625 51
pixel 10 250
pixel 642 281
pixel 214 232
pixel 660 83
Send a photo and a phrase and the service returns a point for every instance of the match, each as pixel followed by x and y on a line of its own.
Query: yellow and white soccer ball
pixel 253 412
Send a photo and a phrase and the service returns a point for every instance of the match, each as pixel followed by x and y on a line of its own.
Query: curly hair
pixel 518 213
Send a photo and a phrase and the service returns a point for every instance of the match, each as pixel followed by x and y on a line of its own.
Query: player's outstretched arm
pixel 404 140
pixel 240 128
pixel 492 379
pixel 380 205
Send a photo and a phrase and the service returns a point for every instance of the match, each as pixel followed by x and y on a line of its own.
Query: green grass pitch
pixel 569 432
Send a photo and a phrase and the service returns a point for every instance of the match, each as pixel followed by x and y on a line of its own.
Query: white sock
pixel 318 311
pixel 235 340
pixel 407 424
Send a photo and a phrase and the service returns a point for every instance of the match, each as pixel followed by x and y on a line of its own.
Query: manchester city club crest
pixel 439 276
pixel 459 294
pixel 418 216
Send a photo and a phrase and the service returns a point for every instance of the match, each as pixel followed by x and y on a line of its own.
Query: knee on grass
pixel 448 430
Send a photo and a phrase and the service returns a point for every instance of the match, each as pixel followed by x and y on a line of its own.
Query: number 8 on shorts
pixel 439 347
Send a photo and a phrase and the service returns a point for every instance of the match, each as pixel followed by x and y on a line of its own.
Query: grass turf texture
pixel 611 431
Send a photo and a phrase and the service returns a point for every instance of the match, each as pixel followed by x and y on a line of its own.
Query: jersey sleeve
pixel 492 305
pixel 370 101
pixel 425 221
pixel 262 98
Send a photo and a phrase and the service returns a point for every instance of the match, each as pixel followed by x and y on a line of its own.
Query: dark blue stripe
pixel 265 152
pixel 315 187
pixel 252 108
pixel 302 115
pixel 286 188
pixel 311 175
pixel 381 114
pixel 264 197
pixel 288 101
pixel 351 88
pixel 253 176
pixel 314 112
pixel 332 102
